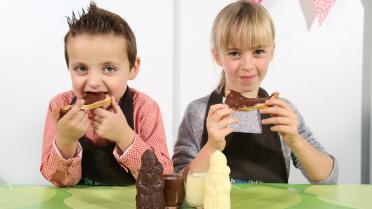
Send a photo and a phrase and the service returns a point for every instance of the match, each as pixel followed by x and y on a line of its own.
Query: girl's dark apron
pixel 252 157
pixel 99 166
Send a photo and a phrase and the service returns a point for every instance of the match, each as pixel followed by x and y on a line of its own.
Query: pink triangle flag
pixel 257 1
pixel 322 8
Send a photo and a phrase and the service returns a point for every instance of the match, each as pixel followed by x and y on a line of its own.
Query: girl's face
pixel 244 69
pixel 99 63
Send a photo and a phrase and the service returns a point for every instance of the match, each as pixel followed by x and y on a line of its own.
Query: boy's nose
pixel 94 80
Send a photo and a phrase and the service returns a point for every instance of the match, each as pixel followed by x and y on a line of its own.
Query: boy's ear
pixel 135 69
pixel 216 57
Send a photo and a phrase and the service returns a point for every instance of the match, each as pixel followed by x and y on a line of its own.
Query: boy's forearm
pixel 67 149
pixel 126 139
pixel 59 171
pixel 317 165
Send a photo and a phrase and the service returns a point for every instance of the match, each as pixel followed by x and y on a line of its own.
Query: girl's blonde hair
pixel 243 25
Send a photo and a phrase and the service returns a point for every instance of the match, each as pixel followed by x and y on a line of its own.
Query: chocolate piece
pixel 63 112
pixel 150 183
pixel 236 100
pixel 89 98
pixel 92 97
pixel 174 190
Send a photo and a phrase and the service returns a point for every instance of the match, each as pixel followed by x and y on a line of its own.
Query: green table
pixel 243 196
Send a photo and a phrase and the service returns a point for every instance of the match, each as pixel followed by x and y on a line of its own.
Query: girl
pixel 243 45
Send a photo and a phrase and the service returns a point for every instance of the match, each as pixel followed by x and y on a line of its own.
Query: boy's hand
pixel 72 126
pixel 113 126
pixel 283 119
pixel 218 120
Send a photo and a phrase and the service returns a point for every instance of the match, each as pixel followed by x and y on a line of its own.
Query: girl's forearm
pixel 201 161
pixel 317 165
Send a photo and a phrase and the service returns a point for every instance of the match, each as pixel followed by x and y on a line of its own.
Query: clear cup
pixel 195 187
pixel 174 190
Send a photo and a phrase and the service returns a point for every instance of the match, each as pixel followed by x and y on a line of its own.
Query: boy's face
pixel 244 68
pixel 99 63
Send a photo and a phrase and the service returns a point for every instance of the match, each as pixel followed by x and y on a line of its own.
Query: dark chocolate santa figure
pixel 150 183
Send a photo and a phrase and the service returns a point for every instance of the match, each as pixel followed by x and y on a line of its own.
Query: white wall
pixel 317 68
pixel 367 69
pixel 320 71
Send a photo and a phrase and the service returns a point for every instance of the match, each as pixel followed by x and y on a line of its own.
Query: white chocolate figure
pixel 217 184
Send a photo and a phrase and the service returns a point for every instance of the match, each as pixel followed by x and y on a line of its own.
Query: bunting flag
pixel 257 1
pixel 322 8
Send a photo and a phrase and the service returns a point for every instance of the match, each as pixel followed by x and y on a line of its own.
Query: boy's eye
pixel 81 69
pixel 109 69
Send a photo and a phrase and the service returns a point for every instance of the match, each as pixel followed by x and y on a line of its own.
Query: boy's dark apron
pixel 99 166
pixel 252 157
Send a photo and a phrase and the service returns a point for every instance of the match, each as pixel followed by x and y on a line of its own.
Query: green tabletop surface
pixel 243 196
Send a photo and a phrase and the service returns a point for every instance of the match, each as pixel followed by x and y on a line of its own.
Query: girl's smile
pixel 248 78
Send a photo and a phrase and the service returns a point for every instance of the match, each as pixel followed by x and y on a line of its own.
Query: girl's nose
pixel 247 61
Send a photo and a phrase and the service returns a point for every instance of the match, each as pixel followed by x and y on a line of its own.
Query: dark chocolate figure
pixel 150 183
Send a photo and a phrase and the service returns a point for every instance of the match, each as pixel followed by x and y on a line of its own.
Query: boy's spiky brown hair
pixel 97 21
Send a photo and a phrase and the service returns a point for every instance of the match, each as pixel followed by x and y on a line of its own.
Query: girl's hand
pixel 72 126
pixel 113 126
pixel 218 120
pixel 283 119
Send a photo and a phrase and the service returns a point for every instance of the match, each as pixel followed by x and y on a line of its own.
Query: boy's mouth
pixel 92 97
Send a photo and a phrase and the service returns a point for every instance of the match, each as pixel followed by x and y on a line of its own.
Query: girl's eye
pixel 109 69
pixel 234 54
pixel 259 52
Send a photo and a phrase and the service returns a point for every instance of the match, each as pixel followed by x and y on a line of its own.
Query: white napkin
pixel 249 122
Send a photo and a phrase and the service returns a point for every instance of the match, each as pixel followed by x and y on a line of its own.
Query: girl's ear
pixel 135 69
pixel 216 57
pixel 273 51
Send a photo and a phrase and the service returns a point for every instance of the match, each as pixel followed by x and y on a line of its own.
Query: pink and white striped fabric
pixel 322 8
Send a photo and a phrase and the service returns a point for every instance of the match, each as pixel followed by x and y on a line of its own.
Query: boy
pixel 101 147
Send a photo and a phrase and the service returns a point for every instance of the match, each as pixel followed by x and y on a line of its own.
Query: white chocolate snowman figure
pixel 217 183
